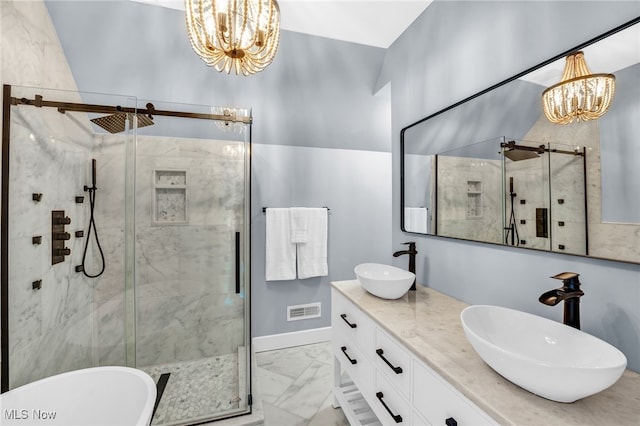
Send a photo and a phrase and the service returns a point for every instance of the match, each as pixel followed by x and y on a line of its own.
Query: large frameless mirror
pixel 493 168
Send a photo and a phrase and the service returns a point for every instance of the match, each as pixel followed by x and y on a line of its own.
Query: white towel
pixel 416 219
pixel 312 255
pixel 280 262
pixel 299 227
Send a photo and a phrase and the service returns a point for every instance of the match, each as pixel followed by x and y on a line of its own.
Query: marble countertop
pixel 428 324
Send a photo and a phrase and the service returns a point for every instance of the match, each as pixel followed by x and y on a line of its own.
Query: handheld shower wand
pixel 93 173
pixel 92 224
pixel 512 229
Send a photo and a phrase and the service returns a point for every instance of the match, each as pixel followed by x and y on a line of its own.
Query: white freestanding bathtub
pixel 118 396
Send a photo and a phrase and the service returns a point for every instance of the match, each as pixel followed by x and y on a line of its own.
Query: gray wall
pixel 453 50
pixel 355 185
pixel 317 92
pixel 620 150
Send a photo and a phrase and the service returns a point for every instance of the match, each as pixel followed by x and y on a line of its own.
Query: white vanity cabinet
pixel 388 383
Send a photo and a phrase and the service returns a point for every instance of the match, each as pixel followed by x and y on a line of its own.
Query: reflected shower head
pixel 520 152
pixel 116 123
pixel 516 154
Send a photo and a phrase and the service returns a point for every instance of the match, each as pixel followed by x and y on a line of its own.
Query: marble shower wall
pixel 51 329
pixel 185 276
pixel 471 207
pixel 606 240
pixel 563 199
pixel 531 186
pixel 568 214
pixel 109 288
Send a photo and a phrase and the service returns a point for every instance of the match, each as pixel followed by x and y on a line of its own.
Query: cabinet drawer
pixel 394 361
pixel 390 406
pixel 352 323
pixel 438 401
pixel 357 366
pixel 418 420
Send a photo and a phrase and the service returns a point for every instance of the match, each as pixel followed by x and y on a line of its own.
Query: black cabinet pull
pixel 351 360
pixel 396 370
pixel 396 417
pixel 451 422
pixel 344 318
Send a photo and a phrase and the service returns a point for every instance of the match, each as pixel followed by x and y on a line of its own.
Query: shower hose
pixel 512 229
pixel 92 224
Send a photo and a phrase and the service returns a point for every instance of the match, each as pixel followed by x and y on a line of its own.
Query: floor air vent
pixel 300 312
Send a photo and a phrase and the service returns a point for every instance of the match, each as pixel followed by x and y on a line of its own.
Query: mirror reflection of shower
pixel 92 225
pixel 529 200
pixel 515 152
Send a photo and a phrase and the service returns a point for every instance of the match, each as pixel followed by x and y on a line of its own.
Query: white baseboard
pixel 289 340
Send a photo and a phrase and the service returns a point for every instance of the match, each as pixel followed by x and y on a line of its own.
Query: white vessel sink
pixel 387 282
pixel 545 357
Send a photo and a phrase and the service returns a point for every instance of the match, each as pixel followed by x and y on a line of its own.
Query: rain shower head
pixel 520 152
pixel 116 123
pixel 517 154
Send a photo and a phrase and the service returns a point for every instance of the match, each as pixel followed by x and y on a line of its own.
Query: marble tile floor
pixel 295 385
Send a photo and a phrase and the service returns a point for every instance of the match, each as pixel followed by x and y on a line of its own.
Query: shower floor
pixel 197 390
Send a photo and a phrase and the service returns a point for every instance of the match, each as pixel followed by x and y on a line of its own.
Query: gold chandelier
pixel 242 35
pixel 580 95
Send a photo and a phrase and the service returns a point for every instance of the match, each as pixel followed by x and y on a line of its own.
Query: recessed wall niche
pixel 169 197
pixel 474 199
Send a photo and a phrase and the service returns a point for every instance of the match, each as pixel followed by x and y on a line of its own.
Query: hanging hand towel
pixel 299 228
pixel 312 255
pixel 280 253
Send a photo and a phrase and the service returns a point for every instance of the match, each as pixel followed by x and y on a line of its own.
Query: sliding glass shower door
pixel 191 245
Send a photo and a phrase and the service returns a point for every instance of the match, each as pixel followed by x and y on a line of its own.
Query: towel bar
pixel 264 209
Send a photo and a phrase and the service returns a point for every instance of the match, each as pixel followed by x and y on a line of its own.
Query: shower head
pixel 520 152
pixel 517 154
pixel 116 123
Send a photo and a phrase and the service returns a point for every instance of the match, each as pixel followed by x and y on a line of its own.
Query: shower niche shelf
pixel 474 199
pixel 169 197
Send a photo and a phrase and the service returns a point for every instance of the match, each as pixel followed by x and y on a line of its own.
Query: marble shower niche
pixel 170 197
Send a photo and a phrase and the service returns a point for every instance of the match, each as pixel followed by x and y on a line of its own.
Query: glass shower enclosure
pixel 125 241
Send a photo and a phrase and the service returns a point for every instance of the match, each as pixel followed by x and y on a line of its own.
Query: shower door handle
pixel 237 262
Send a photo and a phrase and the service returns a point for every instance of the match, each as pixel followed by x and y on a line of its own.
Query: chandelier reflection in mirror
pixel 580 95
pixel 239 35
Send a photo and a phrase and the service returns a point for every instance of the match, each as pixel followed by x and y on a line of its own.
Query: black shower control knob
pixel 63 220
pixel 61 236
pixel 62 252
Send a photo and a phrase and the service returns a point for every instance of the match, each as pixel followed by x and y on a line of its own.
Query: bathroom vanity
pixel 409 362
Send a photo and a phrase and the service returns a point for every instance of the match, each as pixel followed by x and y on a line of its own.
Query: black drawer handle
pixel 396 417
pixel 451 422
pixel 344 318
pixel 396 370
pixel 351 360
